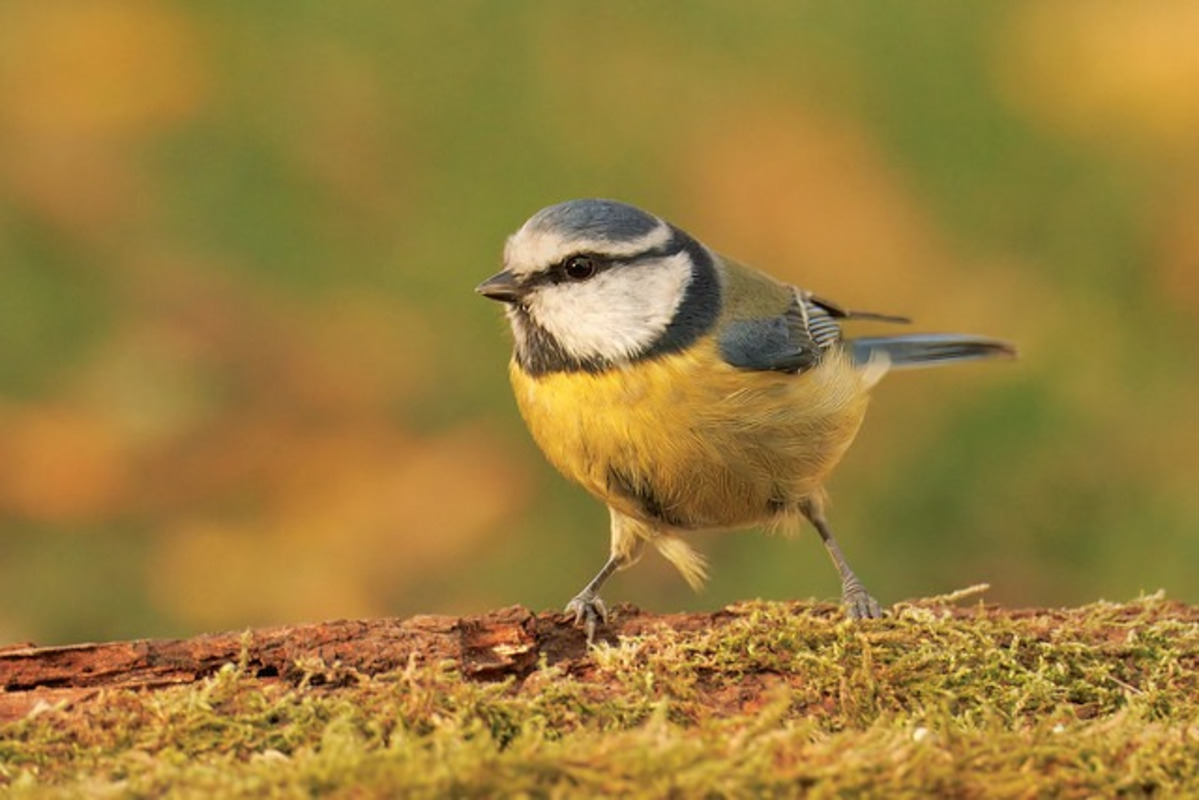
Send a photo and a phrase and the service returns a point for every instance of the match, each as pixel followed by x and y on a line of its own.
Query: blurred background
pixel 244 378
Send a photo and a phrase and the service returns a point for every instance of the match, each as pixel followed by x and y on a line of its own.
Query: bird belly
pixel 686 441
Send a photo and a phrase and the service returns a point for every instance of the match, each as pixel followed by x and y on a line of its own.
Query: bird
pixel 685 390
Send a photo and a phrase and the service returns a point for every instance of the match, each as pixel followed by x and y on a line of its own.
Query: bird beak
pixel 502 287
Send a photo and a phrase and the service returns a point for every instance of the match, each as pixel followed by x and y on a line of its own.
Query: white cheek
pixel 518 329
pixel 617 314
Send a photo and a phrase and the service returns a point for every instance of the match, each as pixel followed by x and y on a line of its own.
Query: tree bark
pixel 505 643
pixel 491 646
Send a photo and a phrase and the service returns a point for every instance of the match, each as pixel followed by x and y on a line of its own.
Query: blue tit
pixel 685 390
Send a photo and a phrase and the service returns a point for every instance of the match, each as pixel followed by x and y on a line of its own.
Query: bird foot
pixel 589 610
pixel 860 605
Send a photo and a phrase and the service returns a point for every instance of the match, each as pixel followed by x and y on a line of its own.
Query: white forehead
pixel 536 246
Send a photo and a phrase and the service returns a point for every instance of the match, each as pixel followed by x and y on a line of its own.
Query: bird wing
pixel 793 341
pixel 834 310
pixel 774 343
pixel 769 325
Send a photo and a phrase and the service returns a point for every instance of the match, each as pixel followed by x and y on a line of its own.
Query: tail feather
pixel 691 565
pixel 927 349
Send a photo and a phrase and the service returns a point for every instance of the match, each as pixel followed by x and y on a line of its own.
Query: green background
pixel 244 379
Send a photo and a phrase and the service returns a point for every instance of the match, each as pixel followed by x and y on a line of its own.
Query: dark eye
pixel 579 268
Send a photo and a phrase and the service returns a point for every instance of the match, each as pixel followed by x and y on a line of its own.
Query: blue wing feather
pixel 767 344
pixel 793 341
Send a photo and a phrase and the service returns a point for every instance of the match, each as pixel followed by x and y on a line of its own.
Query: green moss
pixel 778 701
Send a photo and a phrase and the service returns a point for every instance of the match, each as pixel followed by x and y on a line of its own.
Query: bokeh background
pixel 244 379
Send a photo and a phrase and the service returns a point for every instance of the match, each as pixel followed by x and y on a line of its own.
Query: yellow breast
pixel 688 441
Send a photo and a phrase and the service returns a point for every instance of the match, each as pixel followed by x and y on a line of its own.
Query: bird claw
pixel 860 605
pixel 588 609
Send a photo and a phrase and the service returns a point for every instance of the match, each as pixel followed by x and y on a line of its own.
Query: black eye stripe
pixel 557 273
pixel 561 271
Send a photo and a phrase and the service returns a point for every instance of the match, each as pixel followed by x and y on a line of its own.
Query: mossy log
pixel 505 643
pixel 756 699
pixel 508 642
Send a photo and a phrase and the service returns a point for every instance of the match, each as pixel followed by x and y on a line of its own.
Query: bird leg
pixel 628 539
pixel 855 600
pixel 587 607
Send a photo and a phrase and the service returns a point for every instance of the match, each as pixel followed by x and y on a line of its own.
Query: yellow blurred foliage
pixel 259 440
pixel 355 354
pixel 346 516
pixel 97 68
pixel 149 384
pixel 241 244
pixel 1105 70
pixel 810 198
pixel 80 83
pixel 224 574
pixel 1121 76
pixel 1179 278
pixel 61 465
pixel 803 193
pixel 342 137
pixel 637 71
pixel 84 188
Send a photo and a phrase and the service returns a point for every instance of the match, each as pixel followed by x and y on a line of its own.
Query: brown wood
pixel 491 646
pixel 499 644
